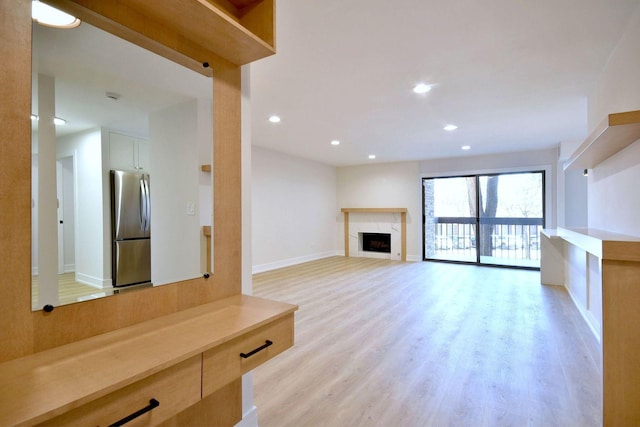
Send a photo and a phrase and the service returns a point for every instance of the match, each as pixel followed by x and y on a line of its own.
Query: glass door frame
pixel 477 220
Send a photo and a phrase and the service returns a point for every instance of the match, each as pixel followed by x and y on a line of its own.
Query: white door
pixel 60 195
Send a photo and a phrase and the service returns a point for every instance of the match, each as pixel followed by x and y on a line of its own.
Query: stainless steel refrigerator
pixel 131 228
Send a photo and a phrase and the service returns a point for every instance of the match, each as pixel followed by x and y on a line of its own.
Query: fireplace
pixel 376 242
pixel 392 221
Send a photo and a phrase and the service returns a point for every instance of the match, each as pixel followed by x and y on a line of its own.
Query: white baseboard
pixel 588 317
pixel 96 282
pixel 261 268
pixel 249 418
pixel 69 268
pixel 291 261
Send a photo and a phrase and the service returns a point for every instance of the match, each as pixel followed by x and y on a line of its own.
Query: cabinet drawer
pixel 175 388
pixel 223 364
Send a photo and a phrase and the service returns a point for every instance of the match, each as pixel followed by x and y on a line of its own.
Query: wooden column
pixel 403 234
pixel 16 329
pixel 346 233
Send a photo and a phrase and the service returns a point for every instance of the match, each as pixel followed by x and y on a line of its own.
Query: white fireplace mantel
pixel 403 231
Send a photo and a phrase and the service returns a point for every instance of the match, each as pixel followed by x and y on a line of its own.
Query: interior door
pixel 60 210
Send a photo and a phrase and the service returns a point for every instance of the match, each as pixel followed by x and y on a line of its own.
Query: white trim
pixel 95 282
pixel 587 316
pixel 293 261
pixel 249 418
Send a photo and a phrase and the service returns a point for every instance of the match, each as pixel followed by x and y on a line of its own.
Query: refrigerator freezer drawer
pixel 132 262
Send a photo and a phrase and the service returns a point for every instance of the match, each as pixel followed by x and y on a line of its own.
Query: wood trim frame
pixel 403 229
pixel 24 332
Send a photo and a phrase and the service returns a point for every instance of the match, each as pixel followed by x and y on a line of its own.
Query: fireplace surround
pixel 392 220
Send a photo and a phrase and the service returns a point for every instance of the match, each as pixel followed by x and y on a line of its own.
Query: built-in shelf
pixel 38 387
pixel 603 244
pixel 616 132
pixel 240 31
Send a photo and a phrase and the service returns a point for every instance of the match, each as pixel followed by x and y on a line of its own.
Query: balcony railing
pixel 507 241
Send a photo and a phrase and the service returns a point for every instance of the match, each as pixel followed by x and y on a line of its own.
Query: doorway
pixel 488 219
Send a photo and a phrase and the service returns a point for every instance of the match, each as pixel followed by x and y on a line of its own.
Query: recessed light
pixel 335 142
pixel 450 128
pixel 422 88
pixel 372 156
pixel 59 121
pixel 49 16
pixel 466 147
pixel 274 119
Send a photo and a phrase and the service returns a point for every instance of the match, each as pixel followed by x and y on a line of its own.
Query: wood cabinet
pixel 176 359
pixel 128 153
pixel 601 270
pixel 221 365
pixel 174 389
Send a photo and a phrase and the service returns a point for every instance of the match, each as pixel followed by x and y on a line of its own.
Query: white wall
pixel 613 196
pixel 174 185
pixel 294 210
pixel 91 247
pixel 385 185
pixel 575 199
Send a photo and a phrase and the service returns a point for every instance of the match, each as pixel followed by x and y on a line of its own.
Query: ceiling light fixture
pixel 372 156
pixel 49 16
pixel 450 128
pixel 466 147
pixel 335 142
pixel 274 119
pixel 59 121
pixel 422 88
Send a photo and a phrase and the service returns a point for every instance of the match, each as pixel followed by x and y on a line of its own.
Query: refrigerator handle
pixel 147 205
pixel 143 205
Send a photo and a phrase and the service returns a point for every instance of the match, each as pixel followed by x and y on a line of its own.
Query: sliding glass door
pixel 486 219
pixel 450 221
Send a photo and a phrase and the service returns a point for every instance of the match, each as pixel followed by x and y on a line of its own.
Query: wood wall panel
pixel 621 342
pixel 227 179
pixel 16 330
pixel 23 331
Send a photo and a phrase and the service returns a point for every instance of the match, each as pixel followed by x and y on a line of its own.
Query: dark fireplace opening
pixel 376 242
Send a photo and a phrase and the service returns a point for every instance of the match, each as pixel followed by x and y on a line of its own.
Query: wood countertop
pixel 601 243
pixel 42 385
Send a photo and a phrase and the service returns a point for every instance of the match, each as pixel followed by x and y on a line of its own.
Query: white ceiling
pixel 514 75
pixel 87 62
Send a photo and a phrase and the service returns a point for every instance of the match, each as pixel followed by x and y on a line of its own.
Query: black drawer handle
pixel 153 403
pixel 267 343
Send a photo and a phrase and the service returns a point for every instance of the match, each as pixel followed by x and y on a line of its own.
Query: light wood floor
pixel 69 291
pixel 382 343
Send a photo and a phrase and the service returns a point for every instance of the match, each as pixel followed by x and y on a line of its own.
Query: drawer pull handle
pixel 153 403
pixel 266 344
